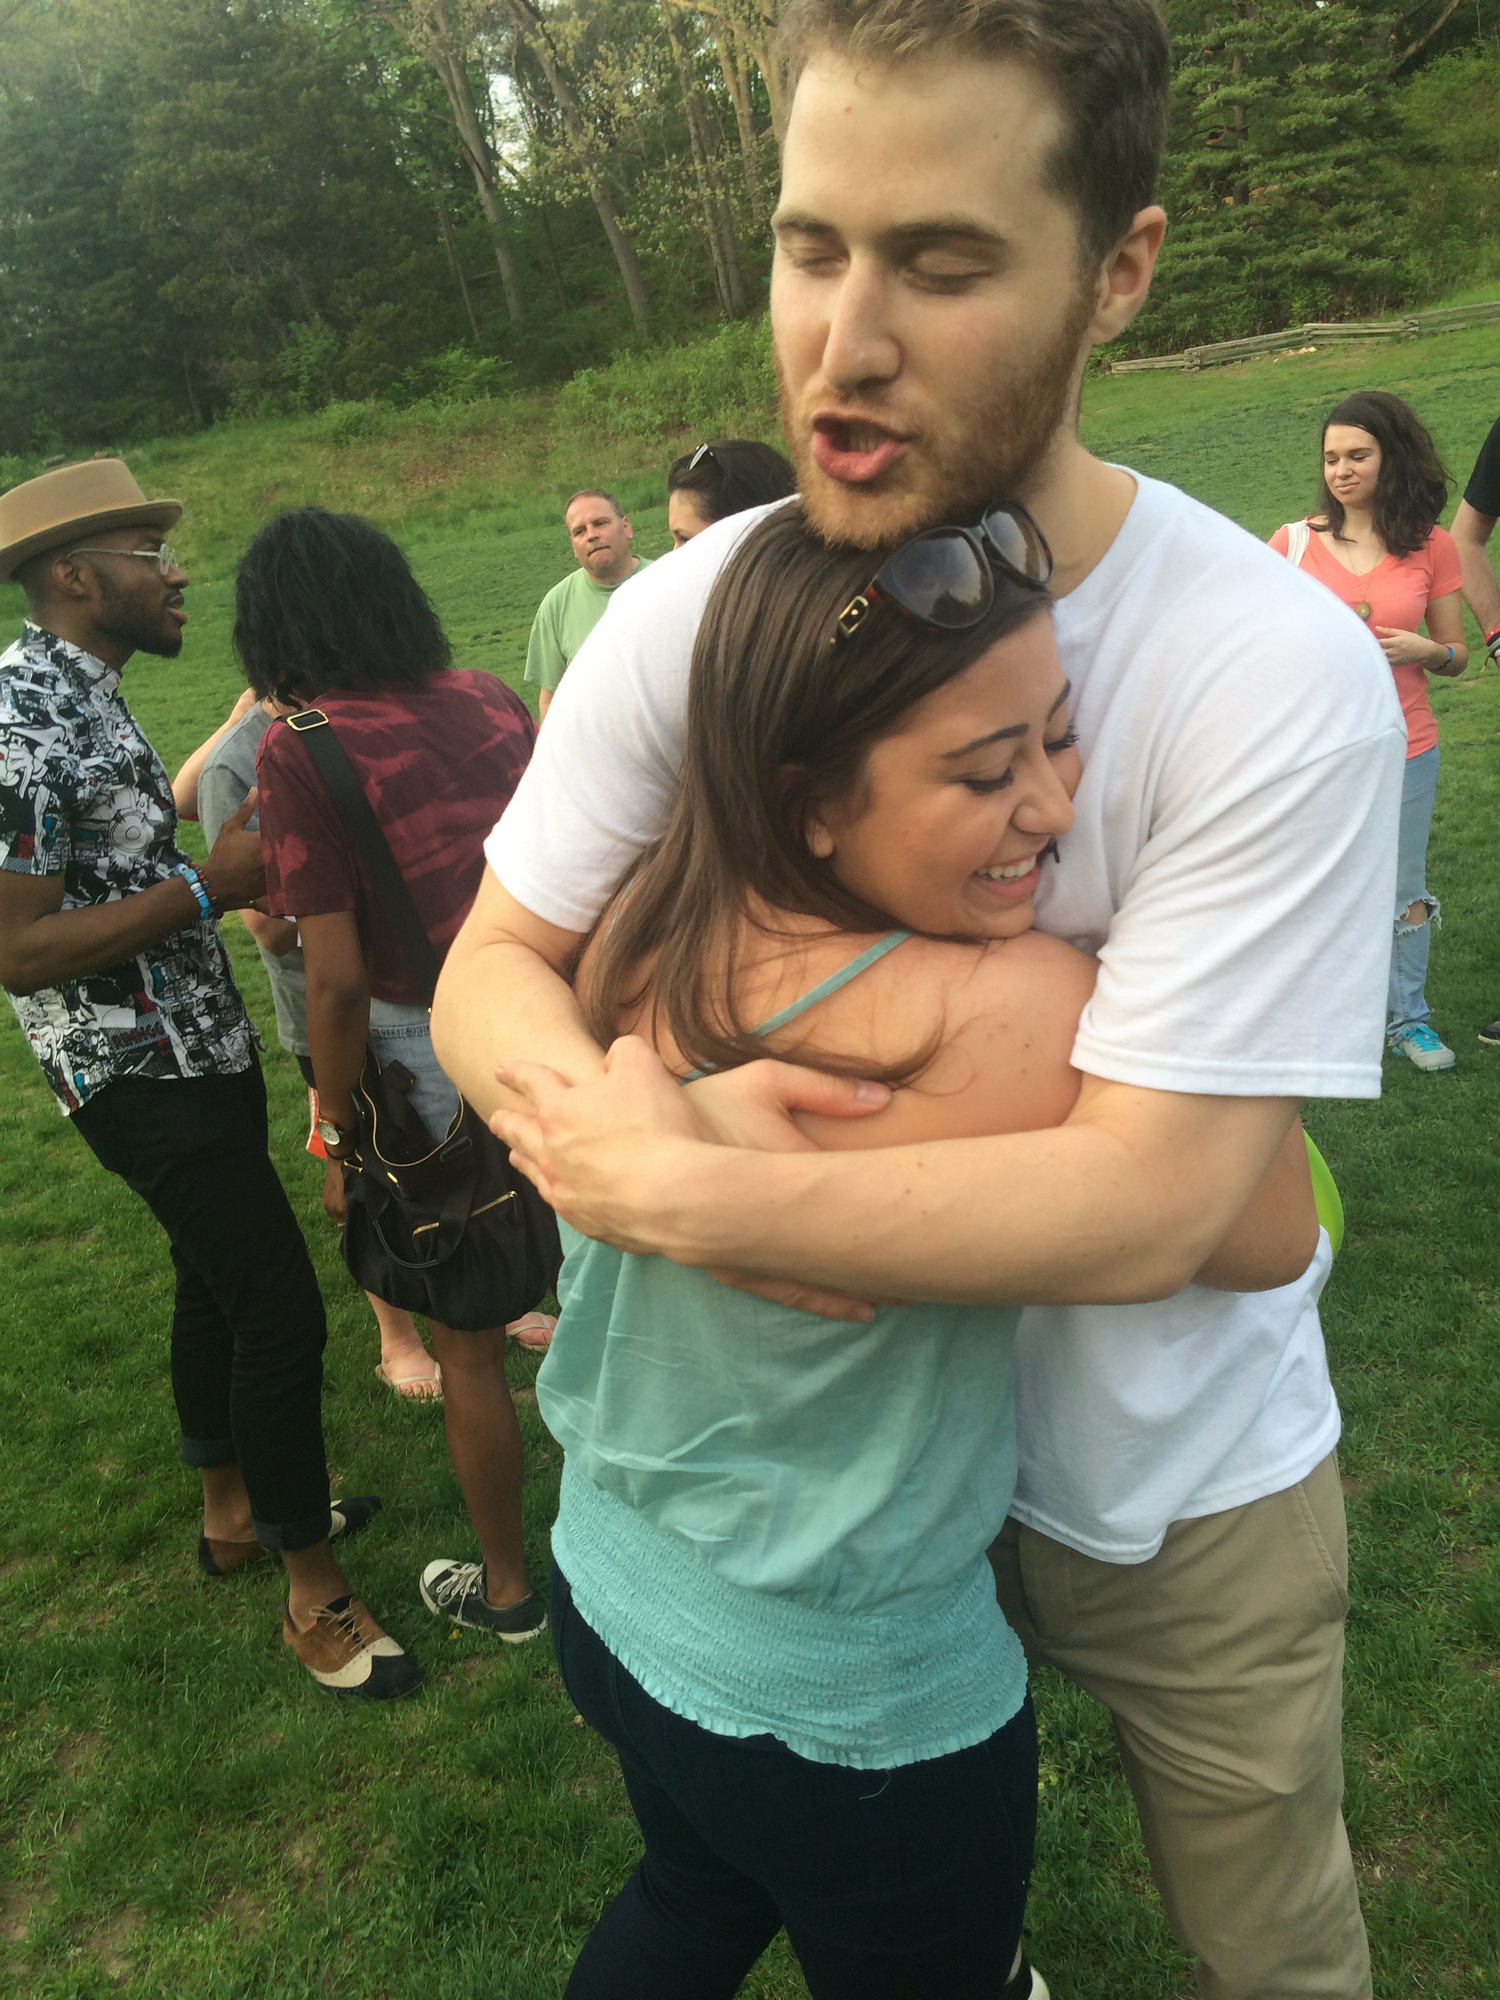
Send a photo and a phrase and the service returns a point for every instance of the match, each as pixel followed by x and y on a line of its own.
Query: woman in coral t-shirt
pixel 1376 545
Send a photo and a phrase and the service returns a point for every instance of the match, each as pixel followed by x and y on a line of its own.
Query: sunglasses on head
pixel 944 578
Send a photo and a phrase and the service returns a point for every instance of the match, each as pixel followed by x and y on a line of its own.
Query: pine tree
pixel 1281 180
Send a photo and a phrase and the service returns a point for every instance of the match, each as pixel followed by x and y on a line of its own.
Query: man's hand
pixel 755 1104
pixel 235 869
pixel 579 1143
pixel 333 1192
pixel 575 1140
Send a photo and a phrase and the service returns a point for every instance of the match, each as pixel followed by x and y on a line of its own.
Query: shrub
pixel 708 386
pixel 457 376
pixel 350 423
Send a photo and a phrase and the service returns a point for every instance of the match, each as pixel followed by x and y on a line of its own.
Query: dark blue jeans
pixel 907 1884
pixel 247 1323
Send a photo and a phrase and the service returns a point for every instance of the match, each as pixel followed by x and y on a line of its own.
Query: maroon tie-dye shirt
pixel 439 764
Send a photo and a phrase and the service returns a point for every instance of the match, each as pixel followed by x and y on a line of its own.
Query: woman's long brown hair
pixel 1412 490
pixel 780 718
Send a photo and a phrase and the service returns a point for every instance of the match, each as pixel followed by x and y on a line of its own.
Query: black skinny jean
pixel 248 1329
pixel 908 1884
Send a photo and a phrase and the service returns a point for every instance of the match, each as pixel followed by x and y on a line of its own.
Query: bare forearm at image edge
pixel 41 950
pixel 1480 586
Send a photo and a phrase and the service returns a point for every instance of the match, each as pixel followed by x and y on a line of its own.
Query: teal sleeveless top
pixel 777 1523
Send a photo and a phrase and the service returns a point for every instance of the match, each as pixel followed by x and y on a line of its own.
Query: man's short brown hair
pixel 1106 62
pixel 593 493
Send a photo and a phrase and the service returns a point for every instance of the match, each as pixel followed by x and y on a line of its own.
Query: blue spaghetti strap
pixel 868 957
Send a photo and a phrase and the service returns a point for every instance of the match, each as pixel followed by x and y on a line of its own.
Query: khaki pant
pixel 1221 1661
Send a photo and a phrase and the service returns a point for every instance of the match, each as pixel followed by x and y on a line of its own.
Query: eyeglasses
pixel 164 558
pixel 944 578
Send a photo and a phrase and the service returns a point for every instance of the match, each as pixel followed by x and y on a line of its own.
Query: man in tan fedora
pixel 109 949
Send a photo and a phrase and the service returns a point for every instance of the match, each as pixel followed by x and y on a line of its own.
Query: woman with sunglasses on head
pixel 726 477
pixel 770 1588
pixel 1375 543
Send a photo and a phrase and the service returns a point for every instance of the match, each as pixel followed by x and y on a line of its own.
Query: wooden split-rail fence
pixel 1316 333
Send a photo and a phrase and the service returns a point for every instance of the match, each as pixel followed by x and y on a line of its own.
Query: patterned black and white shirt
pixel 83 795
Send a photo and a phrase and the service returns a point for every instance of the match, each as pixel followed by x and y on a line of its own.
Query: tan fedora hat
pixel 63 507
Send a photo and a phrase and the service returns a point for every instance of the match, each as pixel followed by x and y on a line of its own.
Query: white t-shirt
pixel 1232 865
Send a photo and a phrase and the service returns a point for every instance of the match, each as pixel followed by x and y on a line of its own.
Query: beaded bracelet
pixel 207 908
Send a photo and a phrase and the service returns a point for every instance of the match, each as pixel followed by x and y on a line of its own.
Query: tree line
pixel 219 207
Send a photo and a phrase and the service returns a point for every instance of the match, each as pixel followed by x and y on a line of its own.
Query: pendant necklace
pixel 1362 610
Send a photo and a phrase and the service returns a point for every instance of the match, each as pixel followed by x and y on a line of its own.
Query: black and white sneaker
pixel 1025 1983
pixel 455 1590
pixel 1489 1034
pixel 347 1517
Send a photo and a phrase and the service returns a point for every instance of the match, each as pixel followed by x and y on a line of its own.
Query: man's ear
pixel 66 576
pixel 1125 275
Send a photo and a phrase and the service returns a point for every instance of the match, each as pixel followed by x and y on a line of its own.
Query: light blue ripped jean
pixel 401 1034
pixel 1406 999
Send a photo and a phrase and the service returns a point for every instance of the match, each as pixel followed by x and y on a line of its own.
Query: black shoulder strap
pixel 370 844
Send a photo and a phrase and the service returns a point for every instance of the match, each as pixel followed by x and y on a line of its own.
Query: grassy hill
pixel 181 1812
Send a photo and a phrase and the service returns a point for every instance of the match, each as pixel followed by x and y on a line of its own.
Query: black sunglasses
pixel 944 578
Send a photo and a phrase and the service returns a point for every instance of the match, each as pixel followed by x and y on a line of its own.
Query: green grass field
pixel 183 1812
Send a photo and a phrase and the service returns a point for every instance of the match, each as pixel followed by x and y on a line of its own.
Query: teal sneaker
pixel 1421 1046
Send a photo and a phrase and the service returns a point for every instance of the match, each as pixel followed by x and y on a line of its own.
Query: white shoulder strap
pixel 1298 535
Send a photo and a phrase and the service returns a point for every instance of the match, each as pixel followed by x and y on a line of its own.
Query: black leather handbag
pixel 453 1230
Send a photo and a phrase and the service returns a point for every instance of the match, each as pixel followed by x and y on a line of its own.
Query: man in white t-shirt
pixel 965 212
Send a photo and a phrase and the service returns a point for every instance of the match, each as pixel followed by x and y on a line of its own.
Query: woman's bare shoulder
pixel 1004 1016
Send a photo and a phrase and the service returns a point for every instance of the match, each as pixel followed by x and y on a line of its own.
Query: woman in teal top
pixel 770 1583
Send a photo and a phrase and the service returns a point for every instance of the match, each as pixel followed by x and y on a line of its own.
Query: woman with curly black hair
pixel 329 615
pixel 1376 544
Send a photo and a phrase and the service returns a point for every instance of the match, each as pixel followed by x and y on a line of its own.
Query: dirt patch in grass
pixel 1410 1857
pixel 78 1749
pixel 244 1912
pixel 21 1903
pixel 94 1618
pixel 111 1941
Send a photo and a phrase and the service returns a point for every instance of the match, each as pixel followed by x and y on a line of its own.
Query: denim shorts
pixel 401 1034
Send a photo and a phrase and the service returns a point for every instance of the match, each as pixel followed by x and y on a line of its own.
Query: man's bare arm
pixel 502 997
pixel 1123 1203
pixel 42 944
pixel 1471 531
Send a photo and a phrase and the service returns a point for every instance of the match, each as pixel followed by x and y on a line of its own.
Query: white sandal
pixel 403 1385
pixel 533 1331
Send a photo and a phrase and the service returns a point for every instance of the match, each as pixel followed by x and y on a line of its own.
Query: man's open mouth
pixel 853 450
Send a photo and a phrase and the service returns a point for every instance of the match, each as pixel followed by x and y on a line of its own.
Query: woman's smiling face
pixel 1351 464
pixel 953 814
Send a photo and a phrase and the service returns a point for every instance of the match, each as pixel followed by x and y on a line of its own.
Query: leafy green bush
pixel 725 380
pixel 457 376
pixel 352 423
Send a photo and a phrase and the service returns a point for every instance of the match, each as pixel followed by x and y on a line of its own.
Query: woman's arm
pixel 185 784
pixel 338 1010
pixel 1443 651
pixel 338 1025
pixel 277 935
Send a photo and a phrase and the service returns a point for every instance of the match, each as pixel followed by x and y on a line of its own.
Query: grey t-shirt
pixel 227 776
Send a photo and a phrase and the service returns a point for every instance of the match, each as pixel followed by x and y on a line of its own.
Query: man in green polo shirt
pixel 601 538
